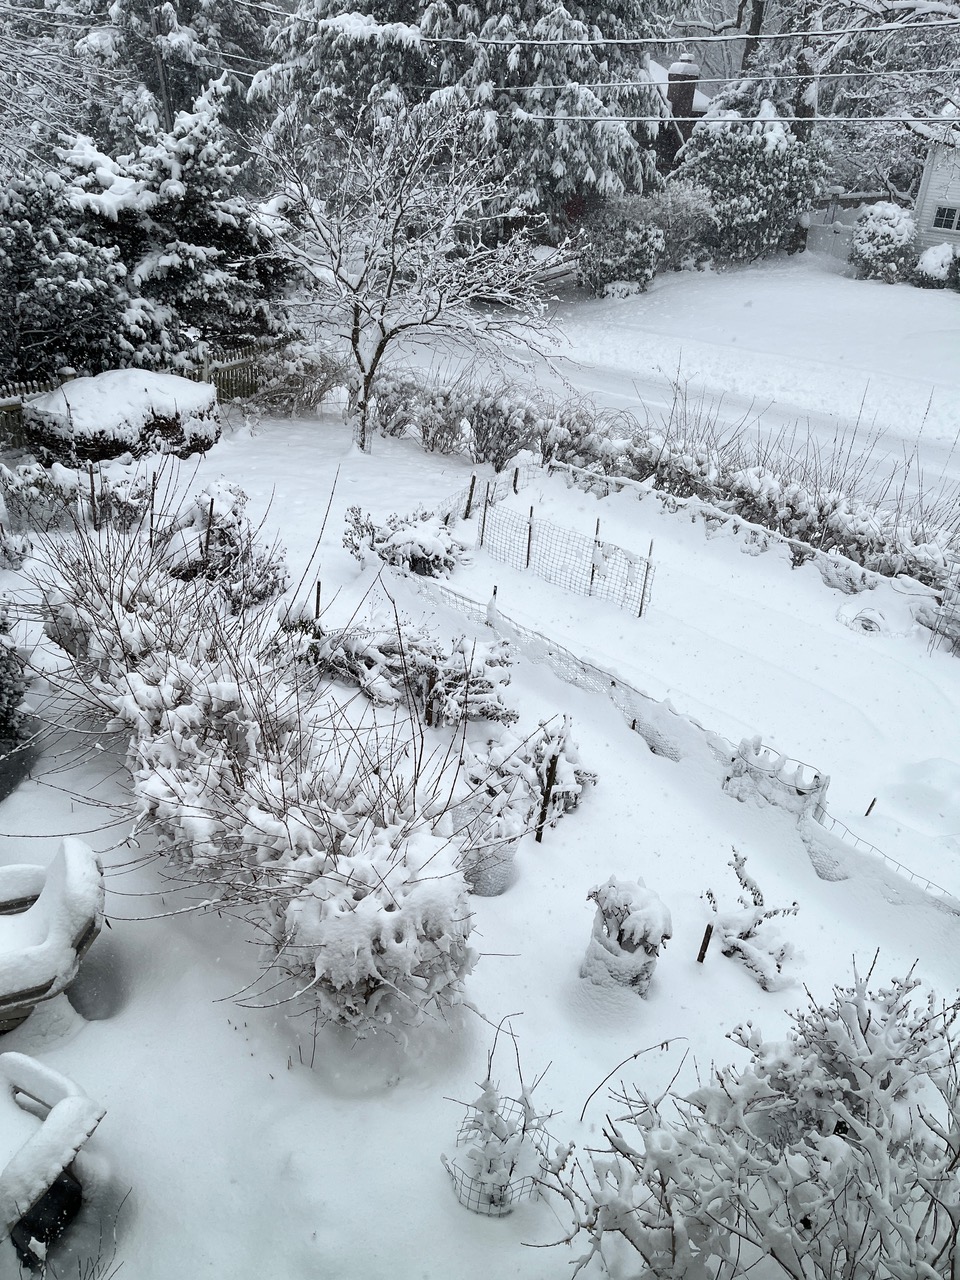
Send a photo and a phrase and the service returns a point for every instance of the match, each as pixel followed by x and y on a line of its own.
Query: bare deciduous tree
pixel 393 235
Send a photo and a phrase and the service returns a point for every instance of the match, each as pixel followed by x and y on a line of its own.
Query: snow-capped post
pixel 630 926
pixel 483 519
pixel 529 537
pixel 645 588
pixel 707 935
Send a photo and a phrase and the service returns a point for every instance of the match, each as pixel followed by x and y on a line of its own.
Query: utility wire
pixel 884 28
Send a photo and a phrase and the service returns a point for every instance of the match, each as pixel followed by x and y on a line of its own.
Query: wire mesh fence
pixel 583 565
pixel 946 627
pixel 666 731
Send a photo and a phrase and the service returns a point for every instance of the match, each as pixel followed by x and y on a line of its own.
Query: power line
pixel 933 121
pixel 883 28
pixel 710 80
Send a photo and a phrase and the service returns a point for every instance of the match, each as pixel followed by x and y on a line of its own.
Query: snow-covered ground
pixel 236 1141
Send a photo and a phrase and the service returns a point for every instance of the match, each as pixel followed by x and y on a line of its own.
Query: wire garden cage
pixel 504 1158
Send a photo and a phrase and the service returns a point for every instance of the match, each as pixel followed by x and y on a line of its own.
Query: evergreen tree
pixel 760 175
pixel 551 111
pixel 197 260
pixel 65 297
pixel 171 52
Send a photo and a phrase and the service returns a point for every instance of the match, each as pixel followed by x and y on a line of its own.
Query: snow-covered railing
pixel 666 731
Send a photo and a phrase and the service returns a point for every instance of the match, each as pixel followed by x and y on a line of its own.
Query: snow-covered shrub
pixel 743 936
pixel 469 684
pixel 39 498
pixel 760 176
pixel 883 241
pixel 421 543
pixel 621 249
pixel 684 213
pixel 759 772
pixel 934 267
pixel 122 411
pixel 294 379
pixel 13 684
pixel 630 926
pixel 14 549
pixel 383 933
pixel 304 820
pixel 490 423
pixel 394 663
pixel 503 1149
pixel 210 537
pixel 830 1153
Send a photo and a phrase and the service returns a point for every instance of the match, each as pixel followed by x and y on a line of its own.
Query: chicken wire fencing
pixel 666 731
pixel 946 627
pixel 586 566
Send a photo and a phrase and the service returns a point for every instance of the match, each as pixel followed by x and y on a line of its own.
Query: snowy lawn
pixel 795 342
pixel 246 1144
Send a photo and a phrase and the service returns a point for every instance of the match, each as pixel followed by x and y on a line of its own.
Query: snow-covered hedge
pixel 122 411
pixel 621 249
pixel 490 424
pixel 936 267
pixel 883 242
pixel 808 511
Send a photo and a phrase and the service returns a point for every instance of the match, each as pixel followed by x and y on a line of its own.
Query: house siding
pixel 940 187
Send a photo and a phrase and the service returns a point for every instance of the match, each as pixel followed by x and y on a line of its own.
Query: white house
pixel 937 210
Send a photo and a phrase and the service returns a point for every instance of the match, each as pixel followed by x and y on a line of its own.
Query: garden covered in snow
pixel 460 914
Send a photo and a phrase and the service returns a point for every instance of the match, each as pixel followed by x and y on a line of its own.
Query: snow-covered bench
pixel 49 916
pixel 44 1121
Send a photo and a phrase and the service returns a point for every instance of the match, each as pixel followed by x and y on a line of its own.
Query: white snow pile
pixel 65 1118
pixel 41 943
pixel 124 410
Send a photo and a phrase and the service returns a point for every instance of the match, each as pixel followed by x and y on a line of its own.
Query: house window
pixel 945 219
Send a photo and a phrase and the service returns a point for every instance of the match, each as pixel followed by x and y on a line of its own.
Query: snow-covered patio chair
pixel 44 1121
pixel 49 916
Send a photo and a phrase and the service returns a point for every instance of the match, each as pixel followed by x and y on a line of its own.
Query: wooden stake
pixel 870 807
pixel 516 479
pixel 707 935
pixel 483 520
pixel 469 508
pixel 593 562
pixel 529 537
pixel 547 794
pixel 316 601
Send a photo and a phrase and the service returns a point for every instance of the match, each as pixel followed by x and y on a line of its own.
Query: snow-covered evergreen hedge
pixel 883 241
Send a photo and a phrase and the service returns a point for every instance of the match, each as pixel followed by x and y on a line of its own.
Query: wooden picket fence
pixel 234 371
